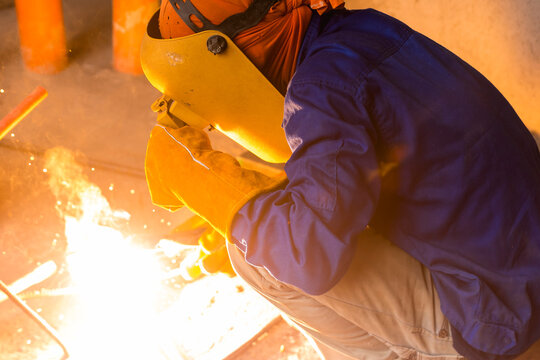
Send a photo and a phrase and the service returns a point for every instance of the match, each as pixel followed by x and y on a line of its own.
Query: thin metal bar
pixel 43 324
pixel 8 122
pixel 39 274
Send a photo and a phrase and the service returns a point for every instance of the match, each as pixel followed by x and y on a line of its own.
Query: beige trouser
pixel 385 307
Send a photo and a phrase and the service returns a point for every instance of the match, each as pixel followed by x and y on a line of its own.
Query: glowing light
pixel 93 169
pixel 2 91
pixel 45 170
pixel 132 191
pixel 111 187
pixel 121 310
pixel 32 157
pixel 115 281
pixel 12 134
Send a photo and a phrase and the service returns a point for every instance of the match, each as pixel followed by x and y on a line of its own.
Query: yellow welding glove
pixel 211 257
pixel 183 169
pixel 215 258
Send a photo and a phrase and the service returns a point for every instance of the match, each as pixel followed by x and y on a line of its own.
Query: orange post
pixel 9 121
pixel 42 35
pixel 130 18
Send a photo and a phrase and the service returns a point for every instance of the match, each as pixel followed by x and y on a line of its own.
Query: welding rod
pixel 9 121
pixel 35 316
pixel 41 273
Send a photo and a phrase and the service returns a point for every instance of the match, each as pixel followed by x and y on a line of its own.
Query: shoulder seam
pixel 360 79
pixel 389 53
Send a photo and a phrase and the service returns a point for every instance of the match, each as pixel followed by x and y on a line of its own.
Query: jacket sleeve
pixel 304 234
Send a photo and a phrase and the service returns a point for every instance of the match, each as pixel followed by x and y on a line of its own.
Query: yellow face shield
pixel 206 80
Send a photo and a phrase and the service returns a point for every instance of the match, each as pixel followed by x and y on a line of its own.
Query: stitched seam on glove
pixel 185 147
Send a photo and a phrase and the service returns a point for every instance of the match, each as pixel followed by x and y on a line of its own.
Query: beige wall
pixel 500 38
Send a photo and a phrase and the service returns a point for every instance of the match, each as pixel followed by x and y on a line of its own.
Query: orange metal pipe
pixel 129 25
pixel 42 35
pixel 9 121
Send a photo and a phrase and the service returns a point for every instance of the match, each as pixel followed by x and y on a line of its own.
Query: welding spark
pixel 124 307
pixel 116 283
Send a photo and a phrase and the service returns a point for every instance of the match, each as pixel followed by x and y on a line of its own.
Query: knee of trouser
pixel 257 277
pixel 247 272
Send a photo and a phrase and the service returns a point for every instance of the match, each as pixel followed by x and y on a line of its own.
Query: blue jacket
pixel 391 130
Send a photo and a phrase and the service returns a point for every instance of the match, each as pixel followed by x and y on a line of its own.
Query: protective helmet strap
pixel 231 25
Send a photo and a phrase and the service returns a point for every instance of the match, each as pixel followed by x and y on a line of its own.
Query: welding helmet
pixel 206 80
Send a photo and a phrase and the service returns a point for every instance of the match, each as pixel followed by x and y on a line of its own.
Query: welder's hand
pixel 212 257
pixel 183 169
pixel 216 258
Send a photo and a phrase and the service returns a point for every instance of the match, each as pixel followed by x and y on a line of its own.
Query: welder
pixel 407 223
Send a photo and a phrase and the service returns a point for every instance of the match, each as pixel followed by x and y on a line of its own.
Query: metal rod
pixel 43 324
pixel 9 121
pixel 39 274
